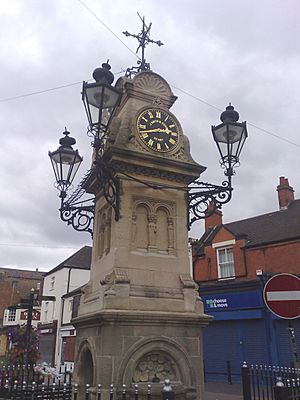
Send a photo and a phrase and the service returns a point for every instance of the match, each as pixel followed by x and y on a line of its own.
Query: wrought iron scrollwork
pixel 205 198
pixel 109 184
pixel 76 212
pixel 81 218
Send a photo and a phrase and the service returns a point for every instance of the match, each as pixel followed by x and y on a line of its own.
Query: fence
pixel 262 382
pixel 34 383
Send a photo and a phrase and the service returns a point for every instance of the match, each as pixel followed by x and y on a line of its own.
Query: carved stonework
pixel 152 231
pixel 153 84
pixel 118 275
pixel 152 226
pixel 187 281
pixel 155 367
pixel 103 230
pixel 122 166
pixel 171 235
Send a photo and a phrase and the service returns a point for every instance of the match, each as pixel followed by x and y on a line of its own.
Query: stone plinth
pixel 126 347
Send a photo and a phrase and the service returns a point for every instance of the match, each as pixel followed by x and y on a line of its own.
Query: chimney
pixel 214 219
pixel 285 193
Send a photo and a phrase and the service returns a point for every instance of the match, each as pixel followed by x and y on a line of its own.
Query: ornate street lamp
pixel 204 198
pixel 230 137
pixel 65 162
pixel 100 100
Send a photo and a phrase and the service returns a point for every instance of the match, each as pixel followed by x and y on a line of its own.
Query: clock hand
pixel 162 130
pixel 153 130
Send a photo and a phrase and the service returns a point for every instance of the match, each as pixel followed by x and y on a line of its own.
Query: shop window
pixel 225 262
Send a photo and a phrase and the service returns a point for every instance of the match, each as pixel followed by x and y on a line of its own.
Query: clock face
pixel 158 130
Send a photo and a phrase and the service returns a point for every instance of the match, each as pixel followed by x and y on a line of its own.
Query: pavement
pixel 223 391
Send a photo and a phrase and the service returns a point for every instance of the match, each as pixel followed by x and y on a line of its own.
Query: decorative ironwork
pixel 144 39
pixel 109 184
pixel 79 214
pixel 205 198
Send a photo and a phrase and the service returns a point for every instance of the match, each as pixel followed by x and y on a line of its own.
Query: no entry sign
pixel 282 295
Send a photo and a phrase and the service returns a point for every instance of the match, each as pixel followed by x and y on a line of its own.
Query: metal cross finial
pixel 144 39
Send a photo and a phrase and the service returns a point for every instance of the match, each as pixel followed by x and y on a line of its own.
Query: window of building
pixel 12 313
pixel 70 305
pixel 225 262
pixel 52 283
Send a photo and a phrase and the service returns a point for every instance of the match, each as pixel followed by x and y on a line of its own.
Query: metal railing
pixel 262 382
pixel 28 383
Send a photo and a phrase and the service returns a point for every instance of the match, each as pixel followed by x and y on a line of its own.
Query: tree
pixel 20 350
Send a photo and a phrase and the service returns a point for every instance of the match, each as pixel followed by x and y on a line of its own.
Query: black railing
pixel 261 382
pixel 35 383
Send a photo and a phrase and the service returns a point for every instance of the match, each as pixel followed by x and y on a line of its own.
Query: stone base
pixel 135 347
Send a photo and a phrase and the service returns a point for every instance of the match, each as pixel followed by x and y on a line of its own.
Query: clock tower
pixel 140 319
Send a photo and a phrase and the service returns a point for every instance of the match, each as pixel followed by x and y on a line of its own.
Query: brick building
pixel 15 285
pixel 231 263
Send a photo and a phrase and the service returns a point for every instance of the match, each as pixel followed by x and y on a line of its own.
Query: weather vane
pixel 143 38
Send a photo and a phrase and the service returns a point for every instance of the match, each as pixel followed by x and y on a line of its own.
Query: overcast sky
pixel 244 52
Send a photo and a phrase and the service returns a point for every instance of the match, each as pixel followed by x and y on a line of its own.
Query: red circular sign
pixel 282 295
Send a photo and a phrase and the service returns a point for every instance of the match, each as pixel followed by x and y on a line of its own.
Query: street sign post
pixel 282 295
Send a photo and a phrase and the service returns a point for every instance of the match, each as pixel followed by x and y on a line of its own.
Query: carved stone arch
pixel 142 209
pixel 144 203
pixel 156 345
pixel 165 228
pixel 167 207
pixel 85 371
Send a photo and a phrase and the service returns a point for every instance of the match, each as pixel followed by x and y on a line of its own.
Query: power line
pixel 249 123
pixel 112 32
pixel 38 92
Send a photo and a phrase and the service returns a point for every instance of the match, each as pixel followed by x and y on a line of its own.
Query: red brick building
pixel 232 262
pixel 15 285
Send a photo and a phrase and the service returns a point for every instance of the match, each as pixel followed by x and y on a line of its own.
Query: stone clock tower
pixel 140 318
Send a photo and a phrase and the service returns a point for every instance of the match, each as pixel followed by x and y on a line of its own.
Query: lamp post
pixel 28 326
pixel 101 100
pixel 204 198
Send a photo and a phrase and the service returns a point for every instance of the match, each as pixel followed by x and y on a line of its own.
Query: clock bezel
pixel 146 109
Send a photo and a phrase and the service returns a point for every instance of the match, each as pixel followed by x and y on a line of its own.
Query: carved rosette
pixel 155 367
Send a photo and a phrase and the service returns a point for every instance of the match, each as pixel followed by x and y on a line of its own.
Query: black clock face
pixel 158 130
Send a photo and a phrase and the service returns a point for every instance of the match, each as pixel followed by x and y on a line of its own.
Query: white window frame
pixel 226 248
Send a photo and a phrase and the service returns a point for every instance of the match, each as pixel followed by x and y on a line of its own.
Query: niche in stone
pixel 85 367
pixel 155 367
pixel 152 228
pixel 103 231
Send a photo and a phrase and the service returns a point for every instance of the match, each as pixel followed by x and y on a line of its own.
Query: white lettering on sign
pixel 217 303
pixel 286 296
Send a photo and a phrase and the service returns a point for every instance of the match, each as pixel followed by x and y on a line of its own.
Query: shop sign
pixel 231 301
